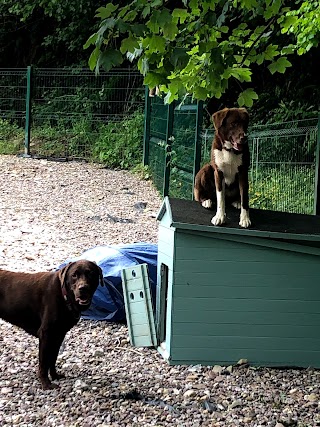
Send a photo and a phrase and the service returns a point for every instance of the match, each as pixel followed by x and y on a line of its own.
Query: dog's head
pixel 81 278
pixel 231 125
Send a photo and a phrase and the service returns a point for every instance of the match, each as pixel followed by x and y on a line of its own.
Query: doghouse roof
pixel 190 215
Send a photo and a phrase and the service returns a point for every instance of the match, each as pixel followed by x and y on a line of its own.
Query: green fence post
pixel 28 113
pixel 197 142
pixel 169 136
pixel 146 133
pixel 316 209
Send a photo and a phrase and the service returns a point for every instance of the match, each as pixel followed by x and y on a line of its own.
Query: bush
pixel 120 144
pixel 11 138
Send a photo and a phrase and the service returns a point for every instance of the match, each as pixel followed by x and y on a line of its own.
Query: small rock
pixel 80 385
pixel 189 393
pixel 98 352
pixel 6 390
pixel 235 404
pixel 311 397
pixel 217 369
pixel 242 362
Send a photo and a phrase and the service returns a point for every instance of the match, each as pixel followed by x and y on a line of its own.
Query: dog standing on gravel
pixel 226 176
pixel 47 305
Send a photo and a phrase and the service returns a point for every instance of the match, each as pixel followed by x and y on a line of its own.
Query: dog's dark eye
pixel 74 275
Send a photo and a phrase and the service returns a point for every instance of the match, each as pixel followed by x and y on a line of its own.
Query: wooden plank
pixel 200 281
pixel 222 316
pixel 204 330
pixel 253 289
pixel 235 305
pixel 278 357
pixel 237 268
pixel 246 343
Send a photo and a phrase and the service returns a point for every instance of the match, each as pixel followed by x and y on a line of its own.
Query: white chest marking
pixel 228 162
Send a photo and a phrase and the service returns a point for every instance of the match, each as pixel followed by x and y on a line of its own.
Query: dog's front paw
pixel 219 218
pixel 244 219
pixel 207 204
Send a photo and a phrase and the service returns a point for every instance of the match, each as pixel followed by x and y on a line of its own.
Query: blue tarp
pixel 108 303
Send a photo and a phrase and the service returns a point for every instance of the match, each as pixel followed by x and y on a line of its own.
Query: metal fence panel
pixel 174 144
pixel 70 106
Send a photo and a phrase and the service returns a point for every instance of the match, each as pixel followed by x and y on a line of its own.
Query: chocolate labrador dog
pixel 47 305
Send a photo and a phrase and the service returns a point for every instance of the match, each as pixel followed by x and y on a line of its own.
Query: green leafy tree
pixel 200 46
pixel 44 32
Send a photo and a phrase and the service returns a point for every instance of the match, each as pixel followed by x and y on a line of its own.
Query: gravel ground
pixel 52 211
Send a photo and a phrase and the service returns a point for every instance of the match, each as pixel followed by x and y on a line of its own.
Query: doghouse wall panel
pixel 237 300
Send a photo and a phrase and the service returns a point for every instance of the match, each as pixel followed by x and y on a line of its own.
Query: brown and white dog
pixel 226 176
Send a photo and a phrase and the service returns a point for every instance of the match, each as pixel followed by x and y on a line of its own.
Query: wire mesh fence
pixel 71 108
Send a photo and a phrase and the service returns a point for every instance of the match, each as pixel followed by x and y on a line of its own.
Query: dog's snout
pixel 83 289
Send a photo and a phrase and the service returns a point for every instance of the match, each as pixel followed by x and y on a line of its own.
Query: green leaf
pixel 156 3
pixel 271 51
pixel 93 58
pixel 241 74
pixel 152 79
pixel 170 31
pixel 109 58
pixel 105 12
pixel 130 16
pixel 179 58
pixel 181 14
pixel 246 97
pixel 129 45
pixel 201 93
pixel 146 11
pixel 156 44
pixel 280 65
pixel 288 22
pixel 91 40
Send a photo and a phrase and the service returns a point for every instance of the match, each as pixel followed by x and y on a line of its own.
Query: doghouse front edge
pixel 224 296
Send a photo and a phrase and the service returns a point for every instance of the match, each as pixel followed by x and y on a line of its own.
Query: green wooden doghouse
pixel 226 293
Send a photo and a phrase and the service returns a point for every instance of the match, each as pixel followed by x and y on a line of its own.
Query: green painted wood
pixel 195 246
pixel 205 330
pixel 147 119
pixel 138 306
pixel 242 291
pixel 245 343
pixel 215 318
pixel 236 294
pixel 28 113
pixel 240 269
pixel 276 358
pixel 235 305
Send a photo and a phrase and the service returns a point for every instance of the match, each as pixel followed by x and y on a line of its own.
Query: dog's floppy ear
pixel 63 271
pixel 218 117
pixel 244 117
